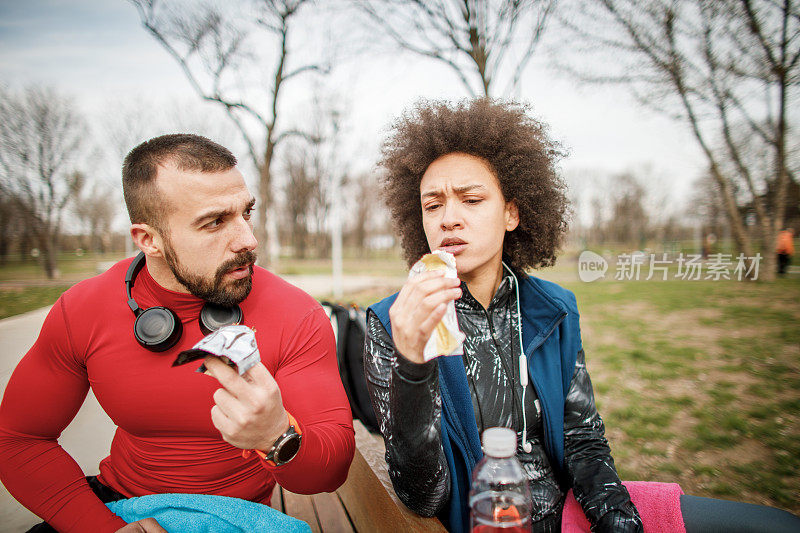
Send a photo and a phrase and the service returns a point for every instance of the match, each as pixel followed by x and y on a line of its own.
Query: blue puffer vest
pixel 551 336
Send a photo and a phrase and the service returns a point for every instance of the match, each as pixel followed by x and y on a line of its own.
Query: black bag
pixel 350 326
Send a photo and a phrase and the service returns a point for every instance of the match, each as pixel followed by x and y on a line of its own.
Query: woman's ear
pixel 512 215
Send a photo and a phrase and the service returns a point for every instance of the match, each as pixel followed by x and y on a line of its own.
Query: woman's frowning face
pixel 465 213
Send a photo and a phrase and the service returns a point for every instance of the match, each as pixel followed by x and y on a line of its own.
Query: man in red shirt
pixel 178 431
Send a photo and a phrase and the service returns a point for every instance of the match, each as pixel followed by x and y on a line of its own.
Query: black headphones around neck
pixel 159 328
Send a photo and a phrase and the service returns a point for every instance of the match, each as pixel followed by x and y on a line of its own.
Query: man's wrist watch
pixel 286 446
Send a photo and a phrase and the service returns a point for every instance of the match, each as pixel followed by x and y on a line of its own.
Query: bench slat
pixel 331 513
pixel 300 506
pixel 366 503
pixel 390 511
pixel 276 502
pixel 374 509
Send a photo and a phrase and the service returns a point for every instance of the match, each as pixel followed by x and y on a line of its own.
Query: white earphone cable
pixel 523 367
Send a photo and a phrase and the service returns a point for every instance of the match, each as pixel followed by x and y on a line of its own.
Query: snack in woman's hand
pixel 447 338
pixel 234 345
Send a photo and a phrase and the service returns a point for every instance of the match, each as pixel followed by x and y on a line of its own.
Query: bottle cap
pixel 499 442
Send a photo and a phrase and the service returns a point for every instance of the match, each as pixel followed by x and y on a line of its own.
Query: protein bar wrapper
pixel 447 338
pixel 235 345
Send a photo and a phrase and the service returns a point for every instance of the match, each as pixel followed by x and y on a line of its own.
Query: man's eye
pixel 474 200
pixel 214 223
pixel 432 207
pixel 248 213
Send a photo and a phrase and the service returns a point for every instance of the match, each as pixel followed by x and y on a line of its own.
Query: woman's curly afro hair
pixel 516 147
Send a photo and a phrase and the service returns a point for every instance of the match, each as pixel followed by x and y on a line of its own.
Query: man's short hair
pixel 186 151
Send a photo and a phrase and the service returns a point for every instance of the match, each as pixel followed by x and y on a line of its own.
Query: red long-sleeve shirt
pixel 165 441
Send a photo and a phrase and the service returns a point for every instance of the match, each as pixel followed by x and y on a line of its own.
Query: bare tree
pixel 597 231
pixel 40 138
pixel 722 67
pixel 629 221
pixel 97 209
pixel 477 39
pixel 311 172
pixel 619 210
pixel 11 225
pixel 302 192
pixel 630 208
pixel 210 45
pixel 365 191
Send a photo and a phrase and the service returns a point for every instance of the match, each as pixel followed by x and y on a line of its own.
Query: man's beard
pixel 215 290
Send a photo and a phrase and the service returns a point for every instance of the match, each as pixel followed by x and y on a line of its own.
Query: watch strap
pixel 263 455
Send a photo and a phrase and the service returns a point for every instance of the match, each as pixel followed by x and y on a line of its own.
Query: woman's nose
pixel 451 216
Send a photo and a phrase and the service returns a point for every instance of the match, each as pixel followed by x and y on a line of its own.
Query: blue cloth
pixel 201 513
pixel 552 340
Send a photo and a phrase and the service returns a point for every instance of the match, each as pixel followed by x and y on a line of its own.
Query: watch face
pixel 288 449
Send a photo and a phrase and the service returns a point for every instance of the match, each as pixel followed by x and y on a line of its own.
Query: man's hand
pixel 420 305
pixel 146 525
pixel 249 411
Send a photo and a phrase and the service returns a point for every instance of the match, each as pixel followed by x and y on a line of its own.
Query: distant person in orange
pixel 785 250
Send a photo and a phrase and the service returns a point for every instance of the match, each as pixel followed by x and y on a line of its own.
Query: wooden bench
pixel 365 503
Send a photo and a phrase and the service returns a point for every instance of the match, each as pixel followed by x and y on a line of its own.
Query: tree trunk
pixel 48 255
pixel 5 242
pixel 25 242
pixel 265 197
pixel 735 222
pixel 7 231
pixel 780 197
pixel 4 246
pixel 769 262
pixel 299 236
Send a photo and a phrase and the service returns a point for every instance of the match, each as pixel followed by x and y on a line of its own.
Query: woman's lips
pixel 454 249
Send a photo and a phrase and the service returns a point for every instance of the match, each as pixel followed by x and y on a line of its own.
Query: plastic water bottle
pixel 500 499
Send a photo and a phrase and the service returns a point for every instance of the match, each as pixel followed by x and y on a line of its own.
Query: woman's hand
pixel 420 305
pixel 146 525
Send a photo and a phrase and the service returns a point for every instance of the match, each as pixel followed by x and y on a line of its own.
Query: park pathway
pixel 88 437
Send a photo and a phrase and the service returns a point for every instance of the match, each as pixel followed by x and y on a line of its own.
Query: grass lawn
pixel 698 381
pixel 383 265
pixel 17 300
pixel 24 286
pixel 72 267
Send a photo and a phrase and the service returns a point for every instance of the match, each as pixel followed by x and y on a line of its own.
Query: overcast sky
pixel 98 52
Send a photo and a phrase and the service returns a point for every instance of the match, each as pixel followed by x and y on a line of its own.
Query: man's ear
pixel 147 238
pixel 512 215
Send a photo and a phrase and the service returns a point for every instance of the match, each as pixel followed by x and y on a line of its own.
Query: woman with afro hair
pixel 478 179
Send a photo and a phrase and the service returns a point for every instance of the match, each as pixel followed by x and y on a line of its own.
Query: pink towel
pixel 658 504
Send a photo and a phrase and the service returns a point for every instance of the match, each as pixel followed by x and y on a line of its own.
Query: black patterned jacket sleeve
pixel 589 466
pixel 405 397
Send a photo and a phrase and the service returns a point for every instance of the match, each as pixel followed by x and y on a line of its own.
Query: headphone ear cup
pixel 157 328
pixel 213 317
